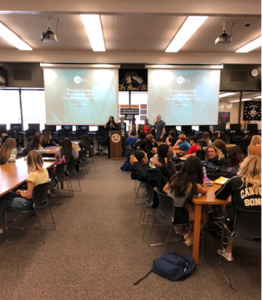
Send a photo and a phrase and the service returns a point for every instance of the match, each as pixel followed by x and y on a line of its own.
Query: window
pixel 10 108
pixel 33 106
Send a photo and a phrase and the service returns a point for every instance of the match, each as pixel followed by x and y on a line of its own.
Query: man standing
pixel 122 127
pixel 160 127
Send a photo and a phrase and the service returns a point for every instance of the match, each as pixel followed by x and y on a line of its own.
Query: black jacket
pixel 218 162
pixel 119 127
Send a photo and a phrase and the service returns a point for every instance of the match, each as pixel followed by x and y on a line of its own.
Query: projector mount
pixel 49 36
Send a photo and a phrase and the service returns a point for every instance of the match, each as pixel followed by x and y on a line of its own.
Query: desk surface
pixel 15 173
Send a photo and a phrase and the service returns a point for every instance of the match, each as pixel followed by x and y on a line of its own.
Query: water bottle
pixel 204 171
pixel 174 155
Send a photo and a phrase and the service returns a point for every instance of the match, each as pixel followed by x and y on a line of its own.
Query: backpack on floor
pixel 172 266
pixel 126 166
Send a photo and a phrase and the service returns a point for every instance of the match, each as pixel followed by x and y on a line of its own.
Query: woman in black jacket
pixel 215 156
pixel 110 126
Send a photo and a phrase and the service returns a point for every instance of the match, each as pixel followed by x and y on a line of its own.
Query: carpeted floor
pixel 97 253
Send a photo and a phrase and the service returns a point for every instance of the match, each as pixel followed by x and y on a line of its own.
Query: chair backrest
pixel 40 195
pixel 150 193
pixel 165 206
pixel 60 171
pixel 70 169
pixel 248 225
pixel 81 154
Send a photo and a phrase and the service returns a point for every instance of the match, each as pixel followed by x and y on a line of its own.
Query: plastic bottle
pixel 204 171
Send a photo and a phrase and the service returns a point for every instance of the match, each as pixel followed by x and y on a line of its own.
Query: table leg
pixel 197 227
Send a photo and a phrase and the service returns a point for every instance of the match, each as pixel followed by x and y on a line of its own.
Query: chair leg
pixel 167 239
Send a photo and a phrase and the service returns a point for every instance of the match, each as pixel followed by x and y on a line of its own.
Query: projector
pixel 48 36
pixel 224 38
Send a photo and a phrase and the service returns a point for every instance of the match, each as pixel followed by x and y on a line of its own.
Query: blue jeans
pixel 12 200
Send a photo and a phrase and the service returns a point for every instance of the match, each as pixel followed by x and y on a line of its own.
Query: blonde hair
pixel 256 140
pixel 5 151
pixel 218 152
pixel 149 137
pixel 34 161
pixel 250 172
pixel 182 137
pixel 206 137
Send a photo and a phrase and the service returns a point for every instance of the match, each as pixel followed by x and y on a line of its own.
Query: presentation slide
pixel 80 97
pixel 184 97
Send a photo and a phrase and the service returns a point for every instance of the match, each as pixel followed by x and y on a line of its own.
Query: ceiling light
pixel 94 31
pixel 246 99
pixel 257 97
pixel 12 38
pixel 250 46
pixel 234 101
pixel 189 27
pixel 226 95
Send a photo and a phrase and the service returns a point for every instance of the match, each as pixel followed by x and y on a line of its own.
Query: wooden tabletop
pixel 15 173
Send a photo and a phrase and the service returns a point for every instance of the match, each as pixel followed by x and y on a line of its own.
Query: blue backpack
pixel 172 266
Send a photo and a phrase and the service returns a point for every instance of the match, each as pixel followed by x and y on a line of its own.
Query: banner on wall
pixel 252 111
pixel 132 80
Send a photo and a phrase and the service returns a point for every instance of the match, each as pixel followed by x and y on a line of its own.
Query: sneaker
pixel 189 242
pixel 219 216
pixel 1 231
pixel 208 210
pixel 227 256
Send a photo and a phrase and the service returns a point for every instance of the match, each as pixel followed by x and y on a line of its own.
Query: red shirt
pixel 145 129
pixel 192 149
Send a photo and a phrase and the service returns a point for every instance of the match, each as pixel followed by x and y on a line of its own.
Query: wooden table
pixel 15 173
pixel 50 151
pixel 208 199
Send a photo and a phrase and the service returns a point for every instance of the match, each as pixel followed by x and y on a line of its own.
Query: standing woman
pixel 110 126
pixel 147 128
pixel 122 127
pixel 8 152
pixel 133 126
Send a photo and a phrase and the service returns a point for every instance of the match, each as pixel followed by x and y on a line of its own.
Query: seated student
pixel 145 171
pixel 67 151
pixel 151 142
pixel 245 192
pixel 171 139
pixel 184 185
pixel 163 159
pixel 46 141
pixel 35 144
pixel 255 146
pixel 244 143
pixel 206 137
pixel 215 156
pixel 181 143
pixel 8 152
pixel 4 136
pixel 193 149
pixel 23 199
pixel 222 136
pixel 142 136
pixel 221 145
pixel 131 140
pixel 201 146
pixel 85 143
pixel 235 157
pixel 143 146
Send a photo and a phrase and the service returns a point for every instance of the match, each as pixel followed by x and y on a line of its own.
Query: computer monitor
pixel 16 127
pixel 196 128
pixel 2 127
pixel 186 128
pixel 252 127
pixel 220 127
pixel 93 128
pixel 82 127
pixel 204 128
pixel 235 127
pixel 67 127
pixel 33 127
pixel 50 127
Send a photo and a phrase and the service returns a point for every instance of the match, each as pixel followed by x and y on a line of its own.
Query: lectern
pixel 115 145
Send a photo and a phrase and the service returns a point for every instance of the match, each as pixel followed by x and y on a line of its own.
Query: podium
pixel 115 145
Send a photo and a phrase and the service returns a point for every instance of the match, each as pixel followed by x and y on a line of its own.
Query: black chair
pixel 100 138
pixel 71 172
pixel 40 203
pixel 165 216
pixel 72 136
pixel 83 161
pixel 60 176
pixel 246 233
pixel 62 134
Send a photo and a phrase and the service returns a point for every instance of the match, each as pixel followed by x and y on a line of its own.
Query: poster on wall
pixel 132 80
pixel 252 111
pixel 223 117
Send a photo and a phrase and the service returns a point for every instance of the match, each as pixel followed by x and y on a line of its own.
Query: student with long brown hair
pixel 47 140
pixel 36 143
pixel 206 137
pixel 8 151
pixel 22 199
